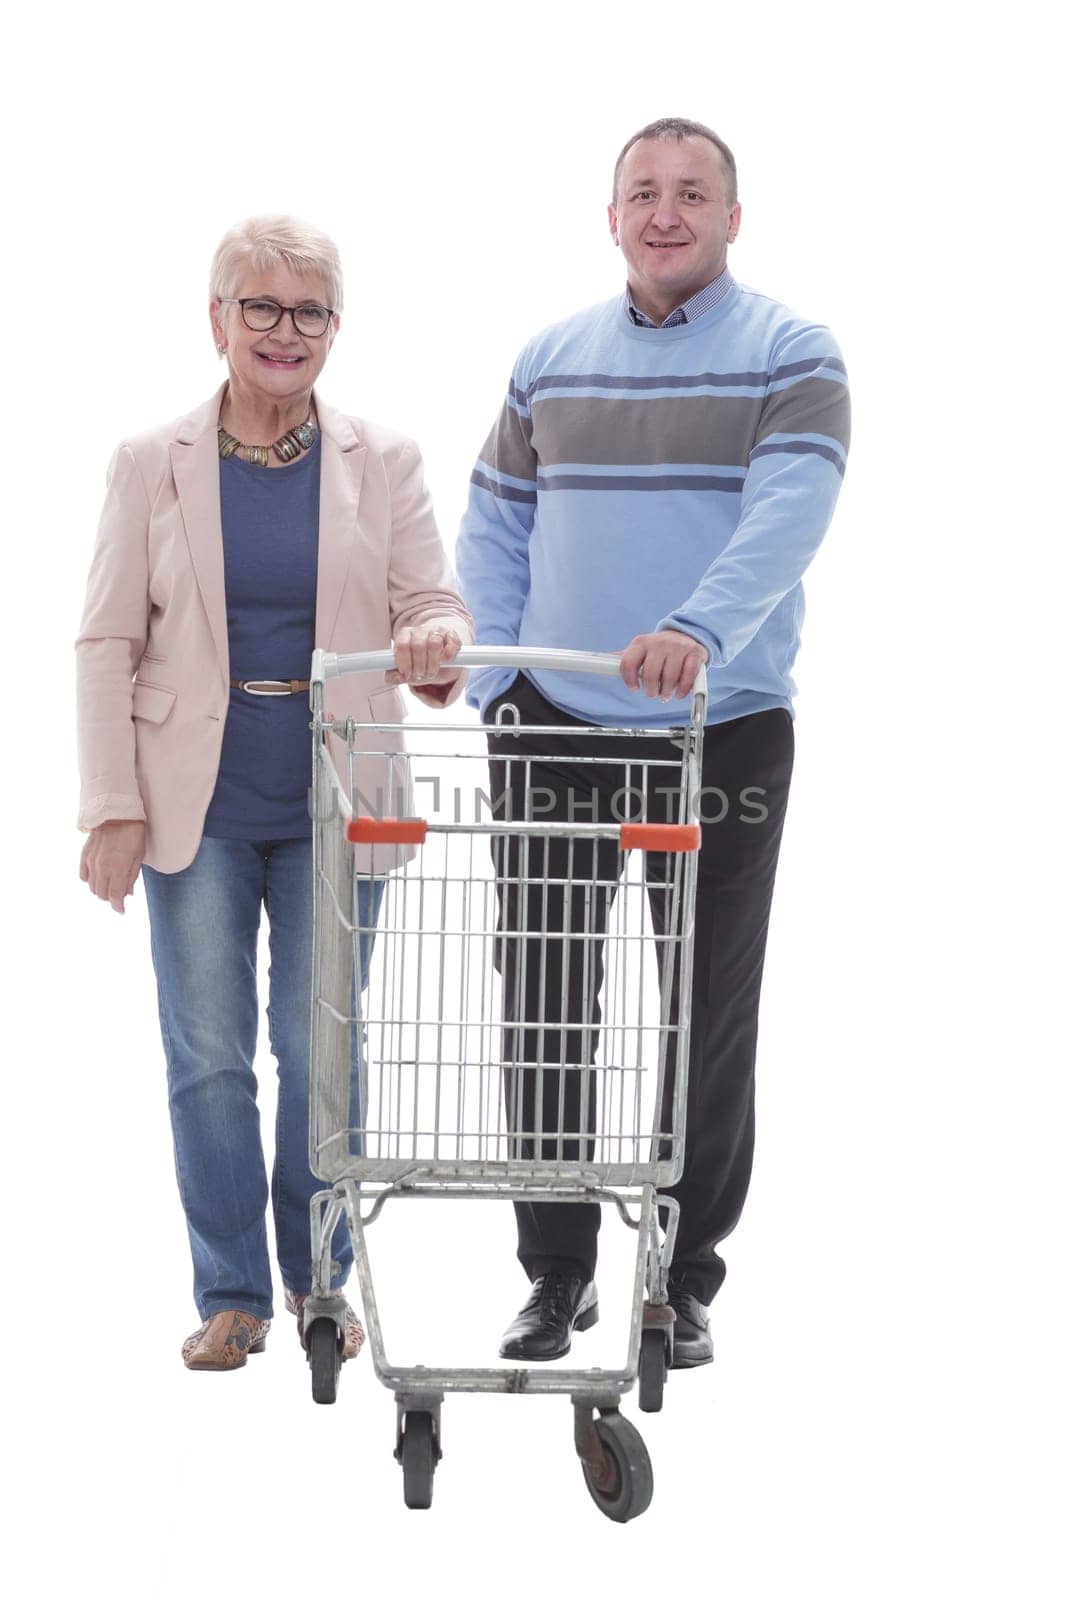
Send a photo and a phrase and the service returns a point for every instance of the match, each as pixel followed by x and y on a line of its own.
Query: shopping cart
pixel 520 1030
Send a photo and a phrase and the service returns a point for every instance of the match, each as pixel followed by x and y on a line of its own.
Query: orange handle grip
pixel 669 836
pixel 386 830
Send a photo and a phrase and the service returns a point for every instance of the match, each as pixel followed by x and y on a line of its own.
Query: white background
pixel 884 1416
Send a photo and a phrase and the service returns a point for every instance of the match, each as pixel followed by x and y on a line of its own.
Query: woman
pixel 232 542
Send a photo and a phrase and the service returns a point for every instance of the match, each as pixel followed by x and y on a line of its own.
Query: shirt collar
pixel 704 300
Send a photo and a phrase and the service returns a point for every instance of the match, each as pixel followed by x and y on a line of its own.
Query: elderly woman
pixel 232 543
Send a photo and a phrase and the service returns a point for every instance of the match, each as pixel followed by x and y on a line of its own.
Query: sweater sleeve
pixel 492 552
pixel 795 468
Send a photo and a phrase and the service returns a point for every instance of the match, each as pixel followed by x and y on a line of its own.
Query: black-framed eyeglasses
pixel 260 314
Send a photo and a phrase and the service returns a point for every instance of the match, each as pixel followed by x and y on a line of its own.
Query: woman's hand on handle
pixel 111 859
pixel 422 656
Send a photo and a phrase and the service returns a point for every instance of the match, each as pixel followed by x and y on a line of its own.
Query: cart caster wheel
pixel 324 1353
pixel 418 1457
pixel 652 1369
pixel 622 1485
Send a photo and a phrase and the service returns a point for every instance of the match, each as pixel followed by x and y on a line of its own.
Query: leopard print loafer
pixel 224 1342
pixel 354 1334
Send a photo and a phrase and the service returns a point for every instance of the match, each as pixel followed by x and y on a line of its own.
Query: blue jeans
pixel 205 922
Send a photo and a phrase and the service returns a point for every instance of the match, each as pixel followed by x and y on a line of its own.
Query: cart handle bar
pixel 324 664
pixel 664 837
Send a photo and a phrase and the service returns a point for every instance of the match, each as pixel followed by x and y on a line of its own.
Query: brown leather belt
pixel 271 685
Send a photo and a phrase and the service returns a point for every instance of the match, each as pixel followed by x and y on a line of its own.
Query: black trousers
pixel 747 765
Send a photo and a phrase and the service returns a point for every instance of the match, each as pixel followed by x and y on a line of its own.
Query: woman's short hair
pixel 262 242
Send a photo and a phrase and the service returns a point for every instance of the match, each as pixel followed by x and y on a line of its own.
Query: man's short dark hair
pixel 681 128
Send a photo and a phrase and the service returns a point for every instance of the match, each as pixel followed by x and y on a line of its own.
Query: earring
pixel 221 348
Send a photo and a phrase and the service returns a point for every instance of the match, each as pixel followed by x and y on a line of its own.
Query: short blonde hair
pixel 262 242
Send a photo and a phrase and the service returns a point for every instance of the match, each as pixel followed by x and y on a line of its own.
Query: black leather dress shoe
pixel 559 1302
pixel 692 1339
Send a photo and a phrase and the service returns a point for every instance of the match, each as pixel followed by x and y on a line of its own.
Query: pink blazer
pixel 152 654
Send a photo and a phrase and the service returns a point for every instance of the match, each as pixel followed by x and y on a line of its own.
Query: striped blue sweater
pixel 643 478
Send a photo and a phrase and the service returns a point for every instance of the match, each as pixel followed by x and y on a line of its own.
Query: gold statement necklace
pixel 287 448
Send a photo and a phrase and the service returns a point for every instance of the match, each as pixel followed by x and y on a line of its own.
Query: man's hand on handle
pixel 111 860
pixel 663 664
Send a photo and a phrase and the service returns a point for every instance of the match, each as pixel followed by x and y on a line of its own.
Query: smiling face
pixel 672 220
pixel 281 364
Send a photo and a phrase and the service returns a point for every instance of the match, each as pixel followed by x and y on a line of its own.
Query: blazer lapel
pixel 343 461
pixel 194 458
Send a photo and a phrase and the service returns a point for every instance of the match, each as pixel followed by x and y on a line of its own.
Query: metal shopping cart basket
pixel 520 1030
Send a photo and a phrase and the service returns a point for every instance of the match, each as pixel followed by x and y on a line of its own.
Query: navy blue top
pixel 270 539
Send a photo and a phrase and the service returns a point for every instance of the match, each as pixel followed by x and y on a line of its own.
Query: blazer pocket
pixel 387 705
pixel 152 703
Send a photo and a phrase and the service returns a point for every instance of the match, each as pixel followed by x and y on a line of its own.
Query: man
pixel 662 472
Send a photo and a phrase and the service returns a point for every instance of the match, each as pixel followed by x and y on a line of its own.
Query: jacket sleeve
pixel 795 468
pixel 493 549
pixel 109 647
pixel 422 586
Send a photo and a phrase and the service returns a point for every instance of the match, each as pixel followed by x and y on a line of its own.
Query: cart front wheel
pixel 652 1369
pixel 418 1458
pixel 622 1485
pixel 324 1353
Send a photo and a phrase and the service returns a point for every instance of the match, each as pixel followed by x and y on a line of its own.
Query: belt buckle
pixel 270 687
